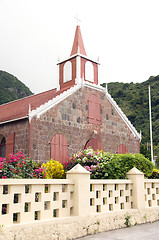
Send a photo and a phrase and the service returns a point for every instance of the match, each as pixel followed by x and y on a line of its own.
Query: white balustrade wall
pixel 110 195
pixel 37 199
pixel 151 187
pixel 32 200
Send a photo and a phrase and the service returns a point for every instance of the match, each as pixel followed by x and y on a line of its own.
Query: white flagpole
pixel 151 126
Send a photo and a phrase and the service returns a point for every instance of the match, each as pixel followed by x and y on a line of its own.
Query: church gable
pixel 69 120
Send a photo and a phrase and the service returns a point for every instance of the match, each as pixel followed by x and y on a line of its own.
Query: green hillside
pixel 133 99
pixel 11 88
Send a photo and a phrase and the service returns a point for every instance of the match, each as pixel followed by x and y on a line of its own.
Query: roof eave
pixel 13 120
pixel 76 55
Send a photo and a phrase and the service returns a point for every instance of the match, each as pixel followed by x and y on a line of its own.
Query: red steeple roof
pixel 78 45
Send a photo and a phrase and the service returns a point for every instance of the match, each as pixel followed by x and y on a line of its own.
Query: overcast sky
pixel 35 33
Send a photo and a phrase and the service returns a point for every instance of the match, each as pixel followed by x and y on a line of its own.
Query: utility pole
pixel 151 126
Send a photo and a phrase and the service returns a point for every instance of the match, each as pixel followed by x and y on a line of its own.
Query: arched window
pixel 94 110
pixel 122 149
pixel 67 72
pixel 2 146
pixel 59 148
pixel 94 143
pixel 89 71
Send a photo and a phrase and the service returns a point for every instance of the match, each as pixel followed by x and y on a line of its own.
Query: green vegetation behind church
pixel 133 99
pixel 11 88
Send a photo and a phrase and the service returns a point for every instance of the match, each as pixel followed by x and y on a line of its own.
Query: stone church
pixel 77 114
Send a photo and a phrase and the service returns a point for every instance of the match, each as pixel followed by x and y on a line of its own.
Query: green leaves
pixel 11 88
pixel 133 99
pixel 104 165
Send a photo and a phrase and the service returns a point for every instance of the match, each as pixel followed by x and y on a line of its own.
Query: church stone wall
pixel 70 118
pixel 20 128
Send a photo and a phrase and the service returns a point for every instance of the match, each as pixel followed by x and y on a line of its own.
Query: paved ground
pixel 148 231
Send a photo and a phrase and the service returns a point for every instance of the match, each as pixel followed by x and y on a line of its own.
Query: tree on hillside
pixel 133 99
pixel 11 88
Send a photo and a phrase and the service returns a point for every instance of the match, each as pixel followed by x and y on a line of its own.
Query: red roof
pixel 78 45
pixel 20 108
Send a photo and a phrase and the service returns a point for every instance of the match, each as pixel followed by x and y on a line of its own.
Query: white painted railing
pixel 110 195
pixel 151 187
pixel 37 199
pixel 32 200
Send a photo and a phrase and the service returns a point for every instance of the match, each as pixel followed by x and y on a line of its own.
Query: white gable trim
pixel 75 55
pixel 123 116
pixel 51 103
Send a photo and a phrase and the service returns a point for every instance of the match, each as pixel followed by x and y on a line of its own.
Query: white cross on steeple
pixel 78 20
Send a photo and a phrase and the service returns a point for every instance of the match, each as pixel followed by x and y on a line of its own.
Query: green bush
pixel 120 164
pixel 104 165
pixel 155 174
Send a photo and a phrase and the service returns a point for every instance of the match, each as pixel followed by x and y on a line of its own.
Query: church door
pixel 94 143
pixel 59 148
pixel 122 149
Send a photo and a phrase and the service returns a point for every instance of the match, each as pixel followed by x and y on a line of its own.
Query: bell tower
pixel 78 66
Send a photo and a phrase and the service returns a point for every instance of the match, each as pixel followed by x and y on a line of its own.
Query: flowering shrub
pixel 104 165
pixel 19 166
pixel 52 169
pixel 91 160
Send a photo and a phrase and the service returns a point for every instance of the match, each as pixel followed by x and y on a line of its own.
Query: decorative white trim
pixel 78 68
pixel 123 116
pixel 51 103
pixel 94 86
pixel 58 78
pixel 75 55
pixel 12 120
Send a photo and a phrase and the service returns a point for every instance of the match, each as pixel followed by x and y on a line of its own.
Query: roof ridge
pixel 33 95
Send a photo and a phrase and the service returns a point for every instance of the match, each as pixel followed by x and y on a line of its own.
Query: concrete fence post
pixel 81 178
pixel 137 178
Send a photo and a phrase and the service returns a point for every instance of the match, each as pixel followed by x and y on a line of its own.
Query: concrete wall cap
pixel 134 171
pixel 78 169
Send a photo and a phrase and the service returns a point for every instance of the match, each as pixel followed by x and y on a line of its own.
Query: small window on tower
pixel 89 71
pixel 67 72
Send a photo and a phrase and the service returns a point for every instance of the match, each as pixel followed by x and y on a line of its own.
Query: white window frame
pixel 89 71
pixel 67 72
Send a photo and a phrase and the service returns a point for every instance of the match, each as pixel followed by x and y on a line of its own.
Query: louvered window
pixel 59 148
pixel 94 110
